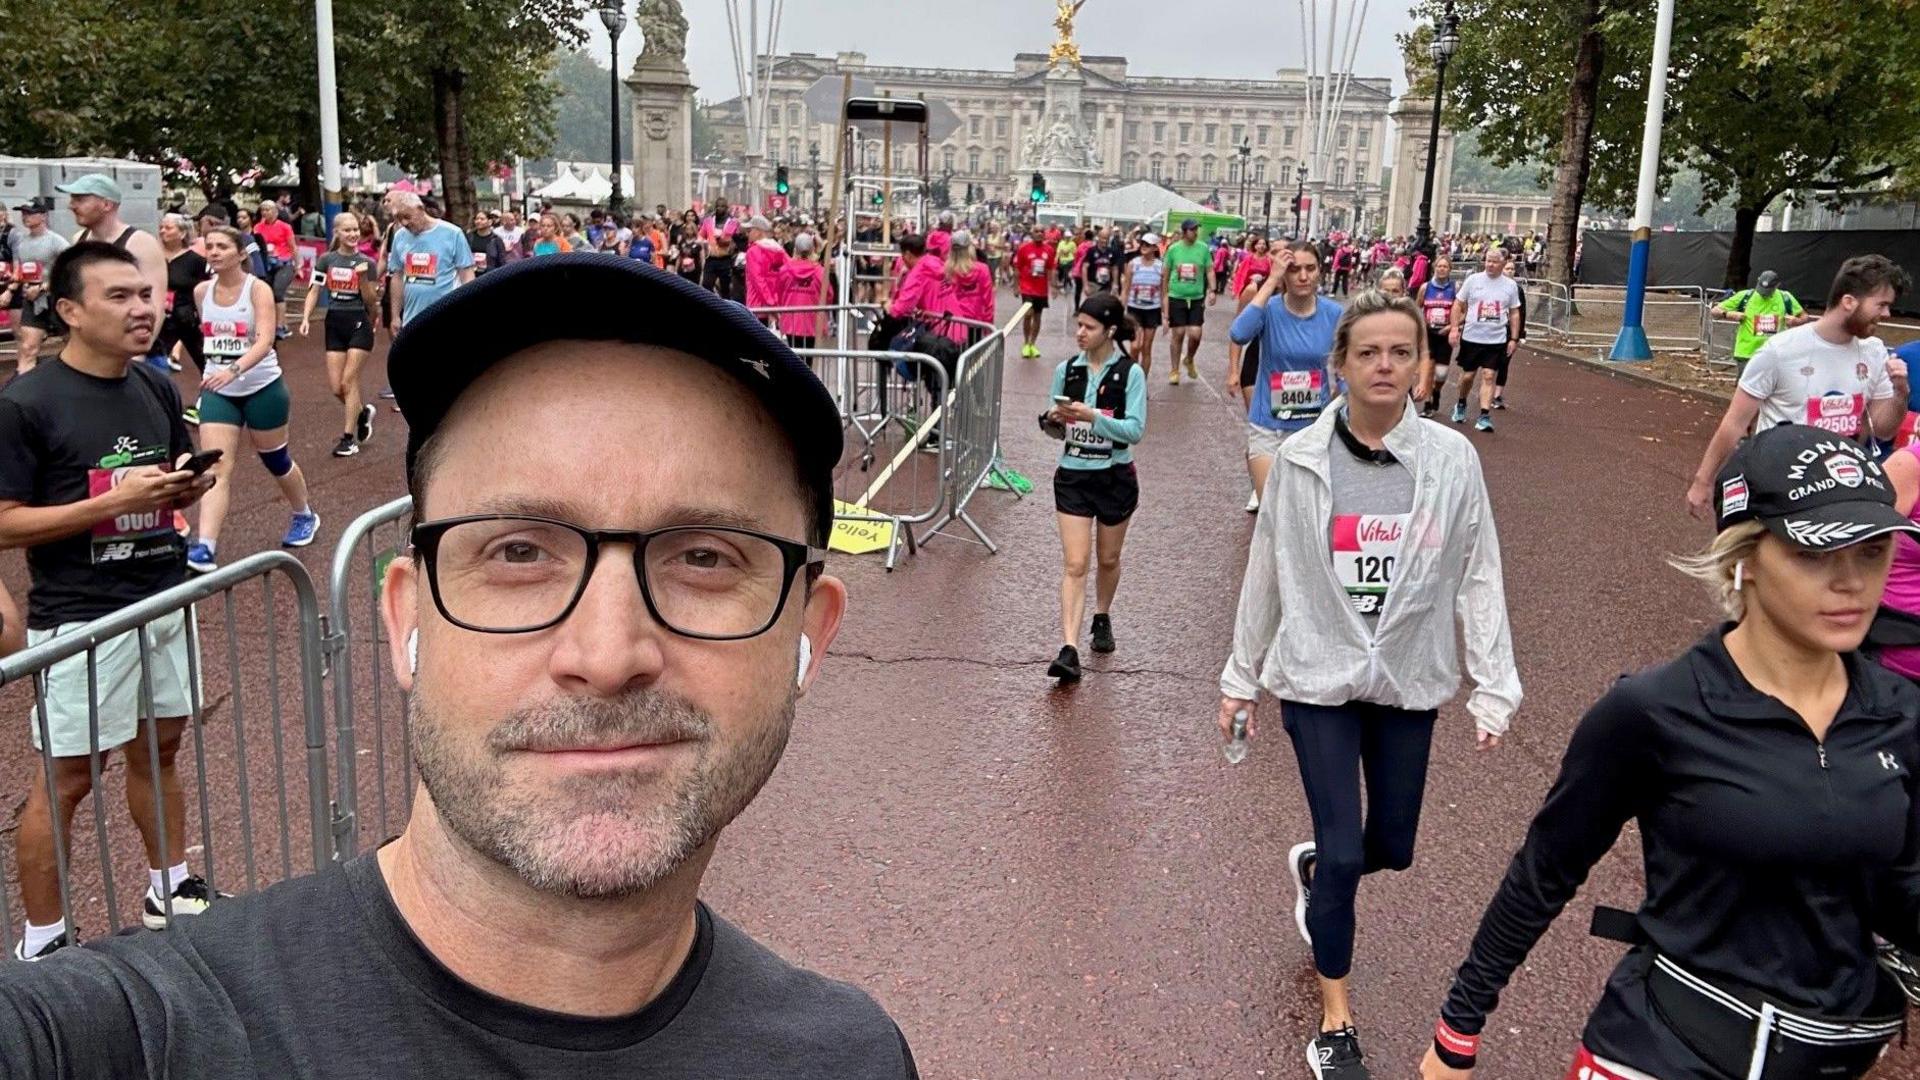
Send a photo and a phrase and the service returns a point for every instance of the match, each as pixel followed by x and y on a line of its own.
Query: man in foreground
pixel 603 654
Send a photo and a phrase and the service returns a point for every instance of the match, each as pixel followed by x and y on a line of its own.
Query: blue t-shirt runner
pixel 1293 383
pixel 428 263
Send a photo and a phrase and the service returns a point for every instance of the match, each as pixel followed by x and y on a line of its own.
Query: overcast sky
pixel 1218 38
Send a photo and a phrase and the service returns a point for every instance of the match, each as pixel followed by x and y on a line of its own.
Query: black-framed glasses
pixel 515 574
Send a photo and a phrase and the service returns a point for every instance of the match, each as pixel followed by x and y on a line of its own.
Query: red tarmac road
pixel 1047 883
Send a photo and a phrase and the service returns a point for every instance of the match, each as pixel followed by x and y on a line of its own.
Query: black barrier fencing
pixel 1806 260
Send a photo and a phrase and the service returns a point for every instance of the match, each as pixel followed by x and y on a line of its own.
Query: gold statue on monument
pixel 1064 50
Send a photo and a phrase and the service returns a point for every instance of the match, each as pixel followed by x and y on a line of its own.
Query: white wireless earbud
pixel 1739 574
pixel 413 651
pixel 806 660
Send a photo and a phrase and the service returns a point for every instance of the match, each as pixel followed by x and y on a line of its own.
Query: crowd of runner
pixel 1768 767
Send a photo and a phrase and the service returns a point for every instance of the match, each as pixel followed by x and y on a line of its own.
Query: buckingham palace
pixel 1184 133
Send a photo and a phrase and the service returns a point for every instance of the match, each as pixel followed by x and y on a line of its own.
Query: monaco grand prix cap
pixel 588 296
pixel 1809 487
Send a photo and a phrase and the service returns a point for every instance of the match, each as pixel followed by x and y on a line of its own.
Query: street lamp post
pixel 1299 196
pixel 614 17
pixel 1246 155
pixel 813 167
pixel 1446 41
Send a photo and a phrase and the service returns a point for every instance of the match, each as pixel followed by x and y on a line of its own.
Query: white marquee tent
pixel 1142 200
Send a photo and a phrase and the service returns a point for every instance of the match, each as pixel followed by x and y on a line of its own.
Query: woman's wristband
pixel 1455 1051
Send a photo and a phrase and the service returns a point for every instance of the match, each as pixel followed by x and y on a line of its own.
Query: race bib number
pixel 422 267
pixel 1438 315
pixel 1295 392
pixel 1037 268
pixel 226 341
pixel 169 299
pixel 1102 275
pixel 686 264
pixel 479 260
pixel 343 281
pixel 1188 272
pixel 1144 296
pixel 1766 324
pixel 1084 442
pixel 1365 549
pixel 128 538
pixel 1838 413
pixel 1489 311
pixel 29 272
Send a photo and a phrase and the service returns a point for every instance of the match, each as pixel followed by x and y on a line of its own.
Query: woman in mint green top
pixel 1099 413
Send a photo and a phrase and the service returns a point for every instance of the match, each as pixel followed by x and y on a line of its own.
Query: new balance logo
pixel 120 552
pixel 1889 762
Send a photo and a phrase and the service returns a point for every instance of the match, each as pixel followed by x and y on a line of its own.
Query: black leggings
pixel 182 327
pixel 1335 744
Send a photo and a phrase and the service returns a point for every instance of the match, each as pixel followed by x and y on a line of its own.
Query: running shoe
pixel 20 948
pixel 172 364
pixel 1300 860
pixel 1174 378
pixel 1460 411
pixel 281 333
pixel 1904 967
pixel 346 447
pixel 301 531
pixel 1102 634
pixel 1485 423
pixel 1066 666
pixel 1253 503
pixel 387 393
pixel 191 414
pixel 200 559
pixel 1192 372
pixel 363 427
pixel 193 896
pixel 1335 1055
pixel 1499 401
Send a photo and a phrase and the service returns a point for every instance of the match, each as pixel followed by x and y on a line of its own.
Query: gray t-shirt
pixel 340 274
pixel 1490 301
pixel 319 978
pixel 33 261
pixel 1371 507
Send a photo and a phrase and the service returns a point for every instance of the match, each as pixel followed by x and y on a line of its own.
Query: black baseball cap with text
pixel 1809 487
pixel 600 297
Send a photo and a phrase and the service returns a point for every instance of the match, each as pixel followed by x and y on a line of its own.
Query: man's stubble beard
pixel 594 836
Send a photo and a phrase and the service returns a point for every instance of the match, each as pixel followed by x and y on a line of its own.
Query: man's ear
pixel 820 623
pixel 399 611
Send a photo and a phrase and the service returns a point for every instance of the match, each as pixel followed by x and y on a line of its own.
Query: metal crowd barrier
pixel 973 421
pixel 381 732
pixel 246 737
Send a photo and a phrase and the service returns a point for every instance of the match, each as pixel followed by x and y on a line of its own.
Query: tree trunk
pixel 1740 256
pixel 450 139
pixel 1576 144
pixel 308 165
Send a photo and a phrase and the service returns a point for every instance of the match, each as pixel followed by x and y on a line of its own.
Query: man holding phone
pixel 94 460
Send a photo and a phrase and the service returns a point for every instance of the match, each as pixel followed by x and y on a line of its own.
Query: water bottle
pixel 1236 748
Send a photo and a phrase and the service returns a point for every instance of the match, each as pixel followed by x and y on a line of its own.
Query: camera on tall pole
pixel 1446 42
pixel 1246 155
pixel 613 16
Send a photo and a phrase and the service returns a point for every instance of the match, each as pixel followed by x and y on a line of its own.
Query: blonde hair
pixel 344 215
pixel 960 260
pixel 1374 302
pixel 1715 567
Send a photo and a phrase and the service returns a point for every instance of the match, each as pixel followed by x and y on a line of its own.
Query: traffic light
pixel 1039 188
pixel 780 185
pixel 879 197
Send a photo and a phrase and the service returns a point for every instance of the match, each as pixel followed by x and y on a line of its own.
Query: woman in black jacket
pixel 1770 769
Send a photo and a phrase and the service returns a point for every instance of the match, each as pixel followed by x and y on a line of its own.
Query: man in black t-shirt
pixel 602 667
pixel 89 448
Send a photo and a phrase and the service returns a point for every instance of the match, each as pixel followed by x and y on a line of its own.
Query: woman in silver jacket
pixel 1375 540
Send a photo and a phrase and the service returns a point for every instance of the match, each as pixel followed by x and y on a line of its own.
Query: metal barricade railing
pixel 891 402
pixel 228 770
pixel 1674 316
pixel 354 643
pixel 973 419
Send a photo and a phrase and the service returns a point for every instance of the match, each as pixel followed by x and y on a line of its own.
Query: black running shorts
pixel 1474 356
pixel 1107 495
pixel 349 330
pixel 1186 312
pixel 1147 317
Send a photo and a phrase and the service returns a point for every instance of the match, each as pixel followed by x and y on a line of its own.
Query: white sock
pixel 36 937
pixel 160 880
pixel 213 546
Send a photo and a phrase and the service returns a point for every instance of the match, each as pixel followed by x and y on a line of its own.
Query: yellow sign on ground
pixel 858 537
